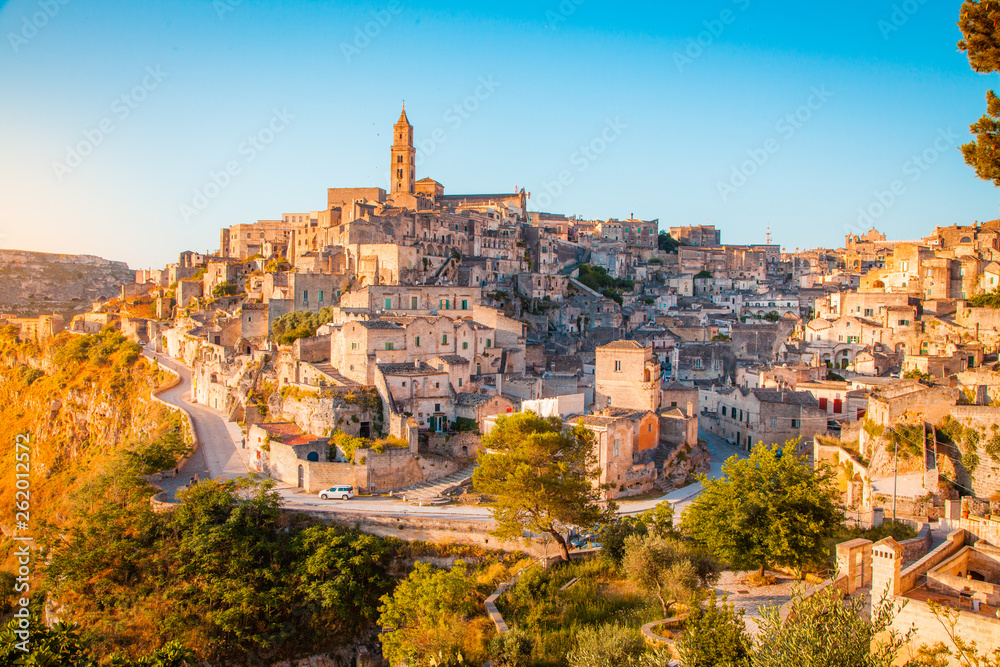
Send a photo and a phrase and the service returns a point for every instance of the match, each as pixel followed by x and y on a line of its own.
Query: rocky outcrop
pixel 36 283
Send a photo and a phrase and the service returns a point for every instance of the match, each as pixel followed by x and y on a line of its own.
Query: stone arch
pixel 878 284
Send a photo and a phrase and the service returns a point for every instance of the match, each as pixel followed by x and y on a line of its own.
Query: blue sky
pixel 736 112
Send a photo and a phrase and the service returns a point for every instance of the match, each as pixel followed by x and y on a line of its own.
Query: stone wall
pixel 312 349
pixel 907 507
pixel 459 446
pixel 985 478
pixel 440 531
pixel 983 630
pixel 398 469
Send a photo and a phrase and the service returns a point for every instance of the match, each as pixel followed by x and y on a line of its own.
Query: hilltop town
pixel 375 342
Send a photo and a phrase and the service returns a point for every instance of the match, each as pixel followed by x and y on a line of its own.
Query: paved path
pixel 218 455
pixel 750 600
pixel 910 486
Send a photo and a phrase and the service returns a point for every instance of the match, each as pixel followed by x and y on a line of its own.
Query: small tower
pixel 404 156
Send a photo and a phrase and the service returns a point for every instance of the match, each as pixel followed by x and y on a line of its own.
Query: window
pixel 479 369
pixel 444 339
pixel 465 345
pixel 774 422
pixel 321 295
pixel 388 303
pixel 697 363
pixel 795 423
pixel 617 446
pixel 869 312
pixel 390 346
pixel 904 323
pixel 723 411
pixel 618 367
pixel 404 383
pixel 489 343
pixel 416 341
pixel 354 346
pixel 459 382
pixel 437 407
pixel 465 304
pixel 305 296
pixel 413 303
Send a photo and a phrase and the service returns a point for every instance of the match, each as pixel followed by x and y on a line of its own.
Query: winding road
pixel 220 456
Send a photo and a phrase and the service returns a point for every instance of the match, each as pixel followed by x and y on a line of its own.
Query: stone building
pixel 768 416
pixel 627 375
pixel 625 441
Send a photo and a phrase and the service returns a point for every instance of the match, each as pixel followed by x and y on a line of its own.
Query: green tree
pixel 825 630
pixel 58 646
pixel 541 478
pixel 230 555
pixel 666 242
pixel 344 574
pixel 978 20
pixel 427 617
pixel 988 300
pixel 511 649
pixel 225 289
pixel 715 636
pixel 768 509
pixel 606 646
pixel 667 568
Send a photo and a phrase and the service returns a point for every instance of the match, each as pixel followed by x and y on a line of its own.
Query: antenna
pixel 769 233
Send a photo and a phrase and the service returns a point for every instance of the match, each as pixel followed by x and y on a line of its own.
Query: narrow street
pixel 218 455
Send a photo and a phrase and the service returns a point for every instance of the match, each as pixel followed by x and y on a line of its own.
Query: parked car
pixel 342 492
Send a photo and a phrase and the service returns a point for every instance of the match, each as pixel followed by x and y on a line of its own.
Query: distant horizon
pixel 733 113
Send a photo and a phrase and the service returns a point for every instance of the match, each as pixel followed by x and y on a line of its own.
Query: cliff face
pixel 35 283
pixel 80 401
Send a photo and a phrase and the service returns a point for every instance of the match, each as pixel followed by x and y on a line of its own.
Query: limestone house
pixel 626 441
pixel 282 450
pixel 627 376
pixel 746 417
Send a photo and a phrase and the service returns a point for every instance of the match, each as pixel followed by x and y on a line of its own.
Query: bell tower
pixel 404 156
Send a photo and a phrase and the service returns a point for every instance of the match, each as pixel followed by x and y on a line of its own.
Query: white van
pixel 342 492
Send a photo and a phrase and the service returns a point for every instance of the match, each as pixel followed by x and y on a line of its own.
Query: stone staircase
pixel 433 492
pixel 659 457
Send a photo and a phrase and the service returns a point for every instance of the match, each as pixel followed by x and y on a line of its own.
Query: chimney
pixel 690 410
